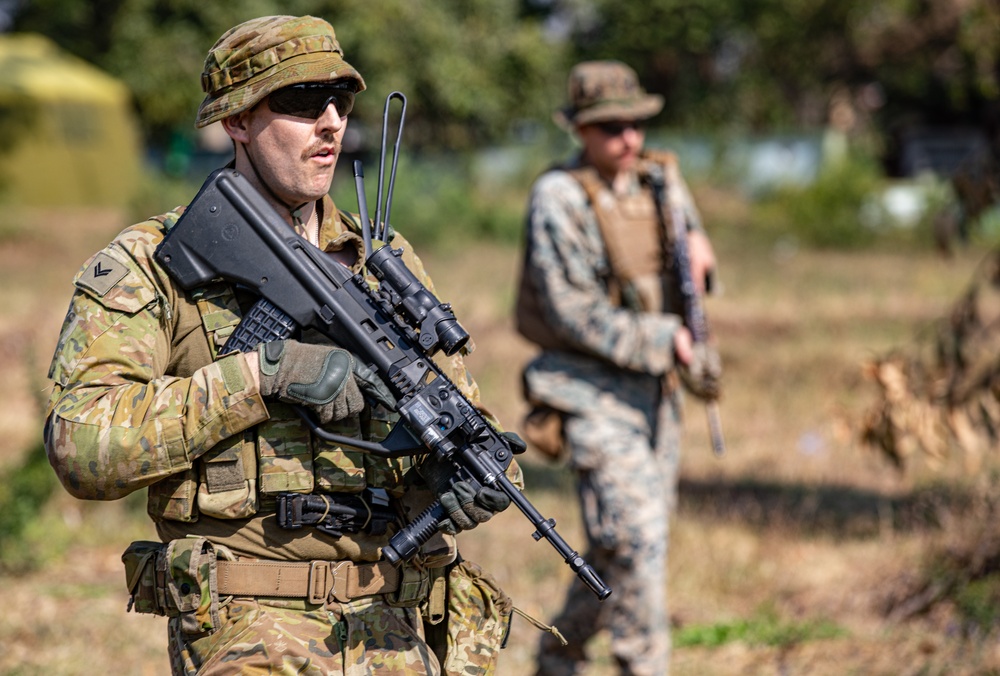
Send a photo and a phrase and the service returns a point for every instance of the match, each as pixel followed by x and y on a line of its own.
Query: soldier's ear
pixel 238 126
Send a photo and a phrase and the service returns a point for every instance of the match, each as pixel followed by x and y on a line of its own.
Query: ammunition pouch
pixel 414 587
pixel 177 579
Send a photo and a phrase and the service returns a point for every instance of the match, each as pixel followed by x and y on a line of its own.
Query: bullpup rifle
pixel 230 232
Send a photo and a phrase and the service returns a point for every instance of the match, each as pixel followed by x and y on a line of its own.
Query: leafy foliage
pixel 763 64
pixel 826 213
pixel 469 72
pixel 475 73
pixel 440 200
pixel 24 490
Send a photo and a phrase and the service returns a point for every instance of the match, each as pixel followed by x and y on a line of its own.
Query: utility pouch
pixel 477 623
pixel 191 584
pixel 414 585
pixel 177 579
pixel 543 429
pixel 145 572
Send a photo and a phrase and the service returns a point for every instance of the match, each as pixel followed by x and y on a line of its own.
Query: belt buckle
pixel 319 585
pixel 341 573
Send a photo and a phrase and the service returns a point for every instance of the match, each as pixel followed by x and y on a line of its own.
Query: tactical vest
pixel 636 235
pixel 239 477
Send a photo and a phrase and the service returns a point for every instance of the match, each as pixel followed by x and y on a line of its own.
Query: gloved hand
pixel 703 374
pixel 467 507
pixel 328 380
pixel 517 444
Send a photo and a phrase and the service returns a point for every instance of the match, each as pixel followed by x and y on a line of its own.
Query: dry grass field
pixel 798 528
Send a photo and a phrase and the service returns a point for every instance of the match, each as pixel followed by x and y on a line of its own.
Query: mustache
pixel 327 140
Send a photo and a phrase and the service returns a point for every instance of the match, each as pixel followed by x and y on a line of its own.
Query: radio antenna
pixel 366 226
pixel 379 223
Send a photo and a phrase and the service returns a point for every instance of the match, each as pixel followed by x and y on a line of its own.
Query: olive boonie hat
pixel 601 91
pixel 262 55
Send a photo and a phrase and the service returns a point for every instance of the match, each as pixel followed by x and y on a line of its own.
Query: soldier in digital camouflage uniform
pixel 596 294
pixel 143 398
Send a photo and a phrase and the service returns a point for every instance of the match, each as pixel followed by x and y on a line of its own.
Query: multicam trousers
pixel 627 491
pixel 363 637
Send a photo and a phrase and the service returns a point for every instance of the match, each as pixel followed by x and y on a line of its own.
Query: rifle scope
pixel 439 329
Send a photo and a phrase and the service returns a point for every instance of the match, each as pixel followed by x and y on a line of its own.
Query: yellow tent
pixel 80 143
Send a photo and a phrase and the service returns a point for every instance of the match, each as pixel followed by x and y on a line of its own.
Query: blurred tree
pixel 470 72
pixel 83 28
pixel 762 64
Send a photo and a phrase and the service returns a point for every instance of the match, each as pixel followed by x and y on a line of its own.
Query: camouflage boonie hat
pixel 262 55
pixel 602 91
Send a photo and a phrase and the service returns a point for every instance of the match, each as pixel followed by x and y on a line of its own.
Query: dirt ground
pixel 797 520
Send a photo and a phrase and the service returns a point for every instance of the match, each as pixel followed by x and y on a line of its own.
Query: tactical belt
pixel 316 581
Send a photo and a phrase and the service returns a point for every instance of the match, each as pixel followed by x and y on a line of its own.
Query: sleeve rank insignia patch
pixel 102 274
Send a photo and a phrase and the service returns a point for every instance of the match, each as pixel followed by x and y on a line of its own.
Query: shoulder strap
pixel 616 245
pixel 662 157
pixel 591 182
pixel 656 170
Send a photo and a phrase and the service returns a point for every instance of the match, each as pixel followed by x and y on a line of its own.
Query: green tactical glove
pixel 373 387
pixel 702 377
pixel 326 379
pixel 467 507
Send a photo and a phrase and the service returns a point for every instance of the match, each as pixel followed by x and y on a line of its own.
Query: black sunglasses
pixel 618 128
pixel 309 100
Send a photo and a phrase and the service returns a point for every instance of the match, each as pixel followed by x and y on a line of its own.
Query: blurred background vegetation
pixel 821 104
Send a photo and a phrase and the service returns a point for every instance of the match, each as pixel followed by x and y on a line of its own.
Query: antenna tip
pixel 358 171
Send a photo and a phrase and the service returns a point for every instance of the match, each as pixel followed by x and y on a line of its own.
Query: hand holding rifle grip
pixel 405 544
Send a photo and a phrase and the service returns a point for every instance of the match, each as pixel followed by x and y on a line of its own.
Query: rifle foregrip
pixel 264 323
pixel 404 544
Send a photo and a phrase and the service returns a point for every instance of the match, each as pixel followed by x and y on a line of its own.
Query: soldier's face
pixel 612 147
pixel 295 156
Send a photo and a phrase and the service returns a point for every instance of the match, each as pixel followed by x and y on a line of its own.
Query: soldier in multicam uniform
pixel 596 294
pixel 143 398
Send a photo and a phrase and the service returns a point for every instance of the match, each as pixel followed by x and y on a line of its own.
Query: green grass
pixel 765 628
pixel 978 601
